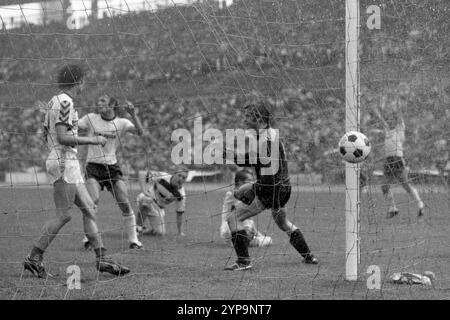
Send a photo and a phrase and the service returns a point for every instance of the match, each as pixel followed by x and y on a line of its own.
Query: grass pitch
pixel 191 267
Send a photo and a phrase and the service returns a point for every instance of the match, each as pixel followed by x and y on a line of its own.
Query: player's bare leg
pixel 89 210
pixel 412 191
pixel 295 235
pixel 120 193
pixel 64 196
pixel 93 188
pixel 387 192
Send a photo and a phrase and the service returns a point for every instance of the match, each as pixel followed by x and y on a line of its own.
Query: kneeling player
pixel 229 205
pixel 159 189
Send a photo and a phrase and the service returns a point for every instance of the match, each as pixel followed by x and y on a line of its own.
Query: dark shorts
pixel 394 167
pixel 273 197
pixel 105 174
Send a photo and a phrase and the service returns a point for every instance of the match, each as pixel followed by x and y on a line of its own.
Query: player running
pixel 271 190
pixel 102 168
pixel 229 205
pixel 395 168
pixel 160 189
pixel 63 170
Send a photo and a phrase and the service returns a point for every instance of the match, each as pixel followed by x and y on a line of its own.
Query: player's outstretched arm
pixel 67 137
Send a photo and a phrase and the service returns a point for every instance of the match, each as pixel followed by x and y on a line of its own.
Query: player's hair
pixel 261 111
pixel 70 76
pixel 242 176
pixel 179 168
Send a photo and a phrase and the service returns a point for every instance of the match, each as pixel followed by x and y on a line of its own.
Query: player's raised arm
pixel 137 128
pixel 377 113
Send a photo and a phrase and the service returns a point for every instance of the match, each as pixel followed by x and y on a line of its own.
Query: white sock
pixel 129 223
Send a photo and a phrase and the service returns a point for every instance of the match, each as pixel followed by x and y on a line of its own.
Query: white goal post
pixel 352 120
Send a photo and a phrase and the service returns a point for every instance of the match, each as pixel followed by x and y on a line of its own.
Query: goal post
pixel 352 119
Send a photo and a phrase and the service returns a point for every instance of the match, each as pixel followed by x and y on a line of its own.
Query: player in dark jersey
pixel 271 190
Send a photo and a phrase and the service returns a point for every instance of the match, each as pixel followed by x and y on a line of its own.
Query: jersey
pixel 160 184
pixel 271 166
pixel 394 140
pixel 112 130
pixel 60 111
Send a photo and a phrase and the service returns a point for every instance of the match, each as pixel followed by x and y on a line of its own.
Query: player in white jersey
pixel 159 189
pixel 102 168
pixel 229 205
pixel 64 173
pixel 395 168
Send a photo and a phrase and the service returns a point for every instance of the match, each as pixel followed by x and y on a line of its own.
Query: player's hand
pixel 100 140
pixel 129 107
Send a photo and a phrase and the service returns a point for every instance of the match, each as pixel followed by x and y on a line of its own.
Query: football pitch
pixel 191 267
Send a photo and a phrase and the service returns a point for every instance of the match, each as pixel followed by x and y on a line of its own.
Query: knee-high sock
pixel 298 242
pixel 416 196
pixel 241 242
pixel 129 223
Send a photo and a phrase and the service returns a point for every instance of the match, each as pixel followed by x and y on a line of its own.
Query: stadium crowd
pixel 173 46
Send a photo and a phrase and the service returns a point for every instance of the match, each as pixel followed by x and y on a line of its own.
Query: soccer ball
pixel 354 147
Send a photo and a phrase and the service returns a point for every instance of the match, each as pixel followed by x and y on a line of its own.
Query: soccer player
pixel 229 205
pixel 271 190
pixel 395 168
pixel 102 169
pixel 63 170
pixel 160 189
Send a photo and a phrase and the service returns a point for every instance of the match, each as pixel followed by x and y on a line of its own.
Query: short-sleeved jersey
pixel 60 111
pixel 163 180
pixel 394 140
pixel 112 130
pixel 271 167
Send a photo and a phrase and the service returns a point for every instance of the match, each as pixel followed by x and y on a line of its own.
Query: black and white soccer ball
pixel 354 147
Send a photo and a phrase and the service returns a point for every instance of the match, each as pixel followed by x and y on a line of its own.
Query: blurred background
pixel 178 61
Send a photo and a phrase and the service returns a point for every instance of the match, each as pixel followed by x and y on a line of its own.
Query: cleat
pixel 136 245
pixel 239 267
pixel 310 259
pixel 421 213
pixel 392 213
pixel 35 267
pixel 110 266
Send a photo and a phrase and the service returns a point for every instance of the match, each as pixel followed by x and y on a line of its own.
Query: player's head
pixel 242 177
pixel 71 76
pixel 179 176
pixel 106 106
pixel 257 116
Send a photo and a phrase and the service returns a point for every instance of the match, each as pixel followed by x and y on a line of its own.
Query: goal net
pixel 192 66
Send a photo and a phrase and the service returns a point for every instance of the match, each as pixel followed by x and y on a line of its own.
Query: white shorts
pixel 149 203
pixel 63 165
pixel 154 213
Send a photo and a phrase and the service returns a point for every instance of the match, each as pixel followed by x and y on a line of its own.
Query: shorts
pixel 394 166
pixel 63 165
pixel 105 174
pixel 273 197
pixel 150 203
pixel 155 214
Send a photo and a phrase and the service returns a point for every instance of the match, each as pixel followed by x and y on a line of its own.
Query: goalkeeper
pixel 229 205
